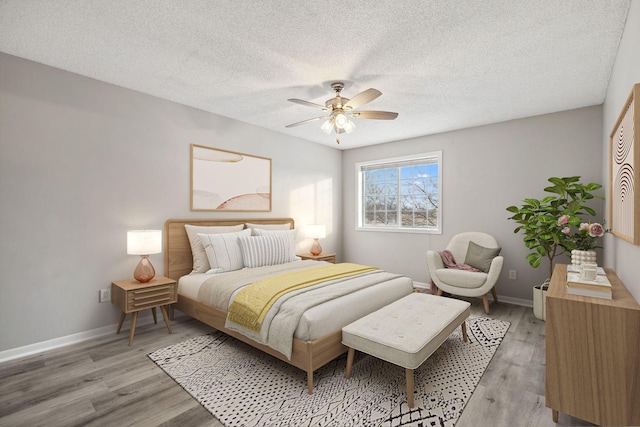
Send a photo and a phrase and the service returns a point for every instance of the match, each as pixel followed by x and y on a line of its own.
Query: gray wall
pixel 485 170
pixel 620 255
pixel 82 161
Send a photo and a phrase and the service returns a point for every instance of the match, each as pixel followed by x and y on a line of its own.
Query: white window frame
pixel 432 157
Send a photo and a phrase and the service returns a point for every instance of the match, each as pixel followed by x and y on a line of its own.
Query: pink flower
pixel 566 230
pixel 596 230
pixel 563 220
pixel 584 226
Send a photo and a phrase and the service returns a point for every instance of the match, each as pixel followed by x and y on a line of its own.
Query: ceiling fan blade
pixel 377 115
pixel 305 121
pixel 362 98
pixel 307 103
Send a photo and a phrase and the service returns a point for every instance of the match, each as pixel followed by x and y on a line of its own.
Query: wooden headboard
pixel 178 260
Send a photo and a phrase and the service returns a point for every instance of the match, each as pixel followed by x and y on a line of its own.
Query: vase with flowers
pixel 583 241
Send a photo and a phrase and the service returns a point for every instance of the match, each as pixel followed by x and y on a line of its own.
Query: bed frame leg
pixel 310 381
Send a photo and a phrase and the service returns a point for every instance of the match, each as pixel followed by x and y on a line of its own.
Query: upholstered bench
pixel 406 332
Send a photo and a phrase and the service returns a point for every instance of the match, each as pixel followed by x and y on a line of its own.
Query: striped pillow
pixel 223 250
pixel 258 251
pixel 289 234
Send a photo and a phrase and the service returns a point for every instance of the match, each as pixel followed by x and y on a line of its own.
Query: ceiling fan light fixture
pixel 337 106
pixel 341 121
pixel 327 126
pixel 349 127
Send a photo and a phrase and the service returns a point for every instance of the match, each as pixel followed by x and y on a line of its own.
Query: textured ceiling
pixel 442 65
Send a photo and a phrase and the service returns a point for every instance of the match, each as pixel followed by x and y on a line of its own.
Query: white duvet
pixel 306 314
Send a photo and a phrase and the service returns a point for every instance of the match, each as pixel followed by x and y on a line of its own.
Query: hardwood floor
pixel 106 382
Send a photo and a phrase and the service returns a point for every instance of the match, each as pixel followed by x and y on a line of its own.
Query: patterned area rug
pixel 242 386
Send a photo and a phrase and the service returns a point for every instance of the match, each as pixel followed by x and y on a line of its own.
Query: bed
pixel 308 353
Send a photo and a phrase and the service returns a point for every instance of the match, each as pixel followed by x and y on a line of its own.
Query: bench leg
pixel 350 355
pixel 410 387
pixel 464 331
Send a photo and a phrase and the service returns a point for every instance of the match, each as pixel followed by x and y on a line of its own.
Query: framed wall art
pixel 224 180
pixel 624 177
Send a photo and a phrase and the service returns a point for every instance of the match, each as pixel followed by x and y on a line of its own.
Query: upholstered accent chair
pixel 477 249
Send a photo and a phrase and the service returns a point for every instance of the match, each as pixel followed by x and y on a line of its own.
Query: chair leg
pixel 495 295
pixel 485 302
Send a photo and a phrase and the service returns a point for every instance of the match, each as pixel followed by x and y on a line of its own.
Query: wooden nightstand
pixel 132 296
pixel 322 257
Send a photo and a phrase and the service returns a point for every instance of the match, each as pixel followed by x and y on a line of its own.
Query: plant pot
pixel 578 257
pixel 539 300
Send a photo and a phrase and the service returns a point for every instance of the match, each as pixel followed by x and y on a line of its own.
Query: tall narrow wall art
pixel 624 178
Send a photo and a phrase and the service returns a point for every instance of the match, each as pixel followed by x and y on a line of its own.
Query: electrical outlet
pixel 105 295
pixel 512 274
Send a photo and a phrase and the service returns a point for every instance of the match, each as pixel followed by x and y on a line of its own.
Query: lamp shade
pixel 144 242
pixel 316 231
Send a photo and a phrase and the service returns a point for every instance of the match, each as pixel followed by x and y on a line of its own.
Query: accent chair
pixel 473 248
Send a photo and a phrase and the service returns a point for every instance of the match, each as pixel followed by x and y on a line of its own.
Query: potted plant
pixel 544 222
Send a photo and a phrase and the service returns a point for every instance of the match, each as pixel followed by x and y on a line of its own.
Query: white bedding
pixel 321 319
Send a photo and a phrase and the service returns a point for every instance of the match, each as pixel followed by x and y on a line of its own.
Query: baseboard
pixel 515 301
pixel 509 300
pixel 28 350
pixel 421 285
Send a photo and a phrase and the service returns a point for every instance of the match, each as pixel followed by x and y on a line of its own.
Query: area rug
pixel 242 386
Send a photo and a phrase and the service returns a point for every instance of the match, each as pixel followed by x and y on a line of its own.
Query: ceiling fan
pixel 340 109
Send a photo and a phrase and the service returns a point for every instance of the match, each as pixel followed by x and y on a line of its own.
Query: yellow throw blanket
pixel 250 306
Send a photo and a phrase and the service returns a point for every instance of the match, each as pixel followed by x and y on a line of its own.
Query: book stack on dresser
pixel 577 285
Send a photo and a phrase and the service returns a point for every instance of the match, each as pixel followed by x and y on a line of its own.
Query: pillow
pixel 286 226
pixel 289 234
pixel 258 251
pixel 223 251
pixel 480 257
pixel 200 261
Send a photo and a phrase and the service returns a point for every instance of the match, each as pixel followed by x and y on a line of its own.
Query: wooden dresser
pixel 593 353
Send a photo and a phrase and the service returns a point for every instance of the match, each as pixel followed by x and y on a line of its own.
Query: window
pixel 400 194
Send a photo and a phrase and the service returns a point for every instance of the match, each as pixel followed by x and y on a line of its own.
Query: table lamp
pixel 316 231
pixel 144 243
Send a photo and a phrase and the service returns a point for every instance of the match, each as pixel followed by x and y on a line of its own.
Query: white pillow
pixel 258 251
pixel 286 226
pixel 200 261
pixel 223 250
pixel 289 234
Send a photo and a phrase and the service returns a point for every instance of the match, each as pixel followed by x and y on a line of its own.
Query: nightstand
pixel 132 296
pixel 322 257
